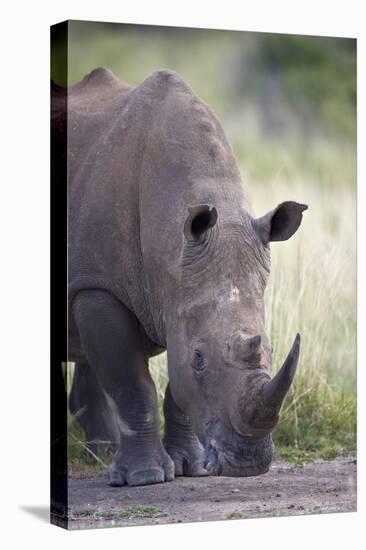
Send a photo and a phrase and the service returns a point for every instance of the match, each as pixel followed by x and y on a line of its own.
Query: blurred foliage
pixel 317 77
pixel 288 84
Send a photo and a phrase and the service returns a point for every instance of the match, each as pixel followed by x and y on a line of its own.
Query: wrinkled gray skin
pixel 165 253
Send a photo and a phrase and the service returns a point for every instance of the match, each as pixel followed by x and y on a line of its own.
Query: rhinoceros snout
pixel 242 457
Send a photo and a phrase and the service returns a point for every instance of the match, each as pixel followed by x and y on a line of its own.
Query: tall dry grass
pixel 313 290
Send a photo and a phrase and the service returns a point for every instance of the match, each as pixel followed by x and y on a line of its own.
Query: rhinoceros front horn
pixel 275 390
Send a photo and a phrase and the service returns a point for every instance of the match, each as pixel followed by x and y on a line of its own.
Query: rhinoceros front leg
pixel 180 440
pixel 113 342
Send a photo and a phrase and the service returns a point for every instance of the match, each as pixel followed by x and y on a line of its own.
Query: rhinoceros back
pixel 104 145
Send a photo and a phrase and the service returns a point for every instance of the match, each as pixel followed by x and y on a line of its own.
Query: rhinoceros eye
pixel 198 363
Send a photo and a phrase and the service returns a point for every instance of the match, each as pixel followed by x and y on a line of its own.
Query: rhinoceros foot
pixel 150 467
pixel 181 442
pixel 188 459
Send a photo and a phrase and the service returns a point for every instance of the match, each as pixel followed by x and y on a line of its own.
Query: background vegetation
pixel 288 106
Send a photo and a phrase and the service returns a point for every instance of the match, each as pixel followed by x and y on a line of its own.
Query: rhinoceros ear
pixel 200 219
pixel 281 223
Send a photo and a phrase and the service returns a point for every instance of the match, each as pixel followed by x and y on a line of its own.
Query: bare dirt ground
pixel 287 489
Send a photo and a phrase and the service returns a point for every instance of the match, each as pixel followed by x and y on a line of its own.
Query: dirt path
pixel 286 490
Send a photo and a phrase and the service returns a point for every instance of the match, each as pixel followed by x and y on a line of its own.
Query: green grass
pixel 237 515
pixel 116 513
pixel 313 290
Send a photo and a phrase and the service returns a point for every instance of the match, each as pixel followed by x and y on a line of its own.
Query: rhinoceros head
pixel 219 356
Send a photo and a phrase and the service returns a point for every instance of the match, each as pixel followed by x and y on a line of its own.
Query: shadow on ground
pixel 40 512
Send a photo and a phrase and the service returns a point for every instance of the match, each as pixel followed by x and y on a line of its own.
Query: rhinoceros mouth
pixel 242 457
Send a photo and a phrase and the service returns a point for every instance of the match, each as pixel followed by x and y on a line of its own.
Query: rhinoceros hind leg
pixel 89 406
pixel 181 442
pixel 114 344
